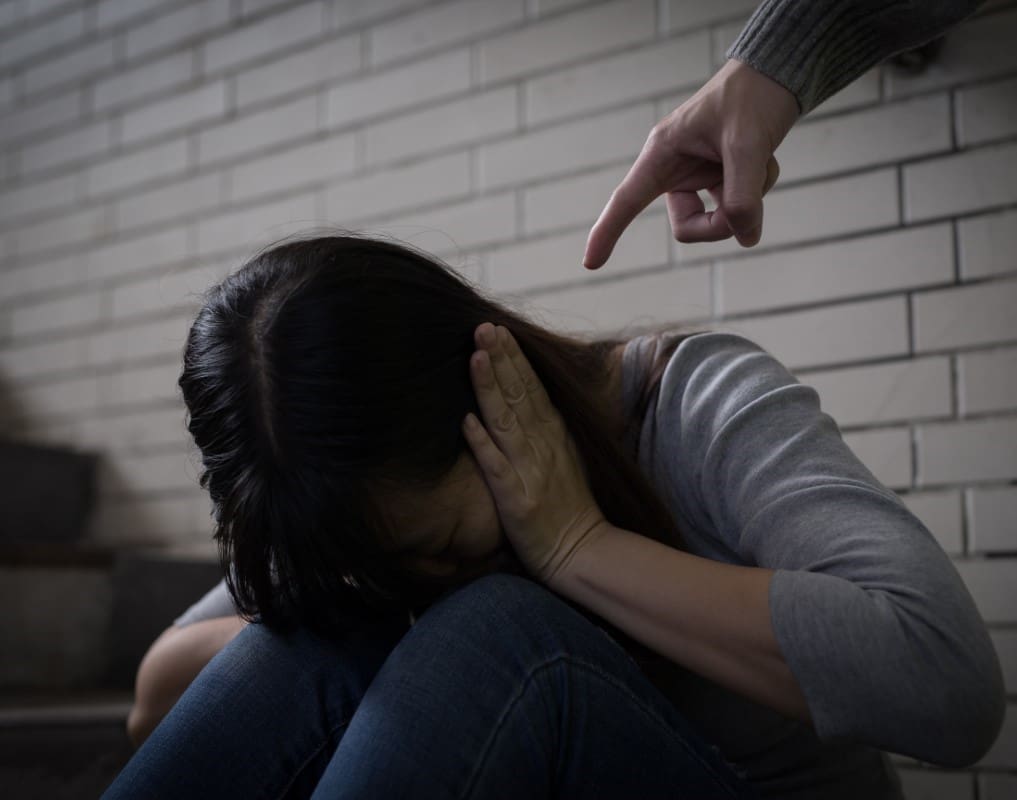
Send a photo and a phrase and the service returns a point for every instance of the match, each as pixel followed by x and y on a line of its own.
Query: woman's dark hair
pixel 325 367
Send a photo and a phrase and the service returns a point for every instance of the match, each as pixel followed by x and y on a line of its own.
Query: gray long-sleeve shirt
pixel 813 48
pixel 869 613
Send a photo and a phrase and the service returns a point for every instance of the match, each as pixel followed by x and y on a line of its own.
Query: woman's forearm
pixel 171 663
pixel 709 617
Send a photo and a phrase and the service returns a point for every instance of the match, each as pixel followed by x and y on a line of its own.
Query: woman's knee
pixel 505 613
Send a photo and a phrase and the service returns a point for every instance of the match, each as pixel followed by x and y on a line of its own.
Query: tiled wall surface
pixel 149 146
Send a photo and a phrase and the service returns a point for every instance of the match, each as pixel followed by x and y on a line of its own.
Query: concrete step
pixel 62 745
pixel 81 617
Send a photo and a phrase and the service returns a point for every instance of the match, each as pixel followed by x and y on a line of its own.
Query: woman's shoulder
pixel 678 355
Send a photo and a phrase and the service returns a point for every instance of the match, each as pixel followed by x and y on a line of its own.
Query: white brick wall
pixel 149 147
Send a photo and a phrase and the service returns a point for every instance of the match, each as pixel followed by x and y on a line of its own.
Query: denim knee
pixel 505 613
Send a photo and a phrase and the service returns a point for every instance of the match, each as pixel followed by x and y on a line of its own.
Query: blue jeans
pixel 501 689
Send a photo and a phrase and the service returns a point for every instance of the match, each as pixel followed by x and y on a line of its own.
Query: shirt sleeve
pixel 814 48
pixel 869 612
pixel 216 602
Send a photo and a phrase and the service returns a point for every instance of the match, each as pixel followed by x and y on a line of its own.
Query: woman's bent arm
pixel 710 617
pixel 169 666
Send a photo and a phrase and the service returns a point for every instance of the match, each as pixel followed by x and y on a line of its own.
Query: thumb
pixel 745 174
pixel 636 191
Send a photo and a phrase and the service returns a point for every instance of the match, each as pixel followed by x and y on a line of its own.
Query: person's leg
pixel 504 690
pixel 261 720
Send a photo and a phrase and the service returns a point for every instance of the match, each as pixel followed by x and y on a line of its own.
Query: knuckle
pixel 506 420
pixel 515 392
pixel 531 384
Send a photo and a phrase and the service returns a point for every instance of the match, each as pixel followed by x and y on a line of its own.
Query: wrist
pixel 778 105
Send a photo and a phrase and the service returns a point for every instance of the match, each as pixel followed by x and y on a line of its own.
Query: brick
pixel 174 29
pixel 543 8
pixel 386 191
pixel 9 13
pixel 477 116
pixel 127 430
pixel 976 49
pixel 245 229
pixel 45 36
pixel 125 344
pixel 42 276
pixel 833 207
pixel 179 518
pixel 175 113
pixel 35 197
pixel 395 89
pixel 1005 643
pixel 630 76
pixel 901 259
pixel 117 12
pixel 963 316
pixel 886 453
pixel 830 335
pixel 988 244
pixel 143 82
pixel 988 381
pixel 122 474
pixel 929 784
pixel 723 37
pixel 138 167
pixel 987 112
pixel 277 32
pixel 554 260
pixel 42 116
pixel 84 143
pixel 451 228
pixel 450 23
pixel 31 360
pixel 993 512
pixel 574 201
pixel 143 386
pixel 1003 754
pixel 554 151
pixel 31 9
pixel 874 136
pixel 973 450
pixel 69 67
pixel 687 14
pixel 67 313
pixel 254 8
pixel 74 228
pixel 137 254
pixel 863 90
pixel 294 167
pixel 997 786
pixel 168 290
pixel 940 512
pixel 347 13
pixel 252 132
pixel 898 391
pixel 75 396
pixel 565 38
pixel 957 184
pixel 199 194
pixel 281 78
pixel 624 306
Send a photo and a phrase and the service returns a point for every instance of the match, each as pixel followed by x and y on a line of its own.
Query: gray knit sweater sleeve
pixel 869 613
pixel 813 48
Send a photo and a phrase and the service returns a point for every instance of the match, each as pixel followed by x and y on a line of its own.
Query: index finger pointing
pixel 636 191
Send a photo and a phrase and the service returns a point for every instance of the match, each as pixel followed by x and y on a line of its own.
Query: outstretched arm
pixel 791 56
